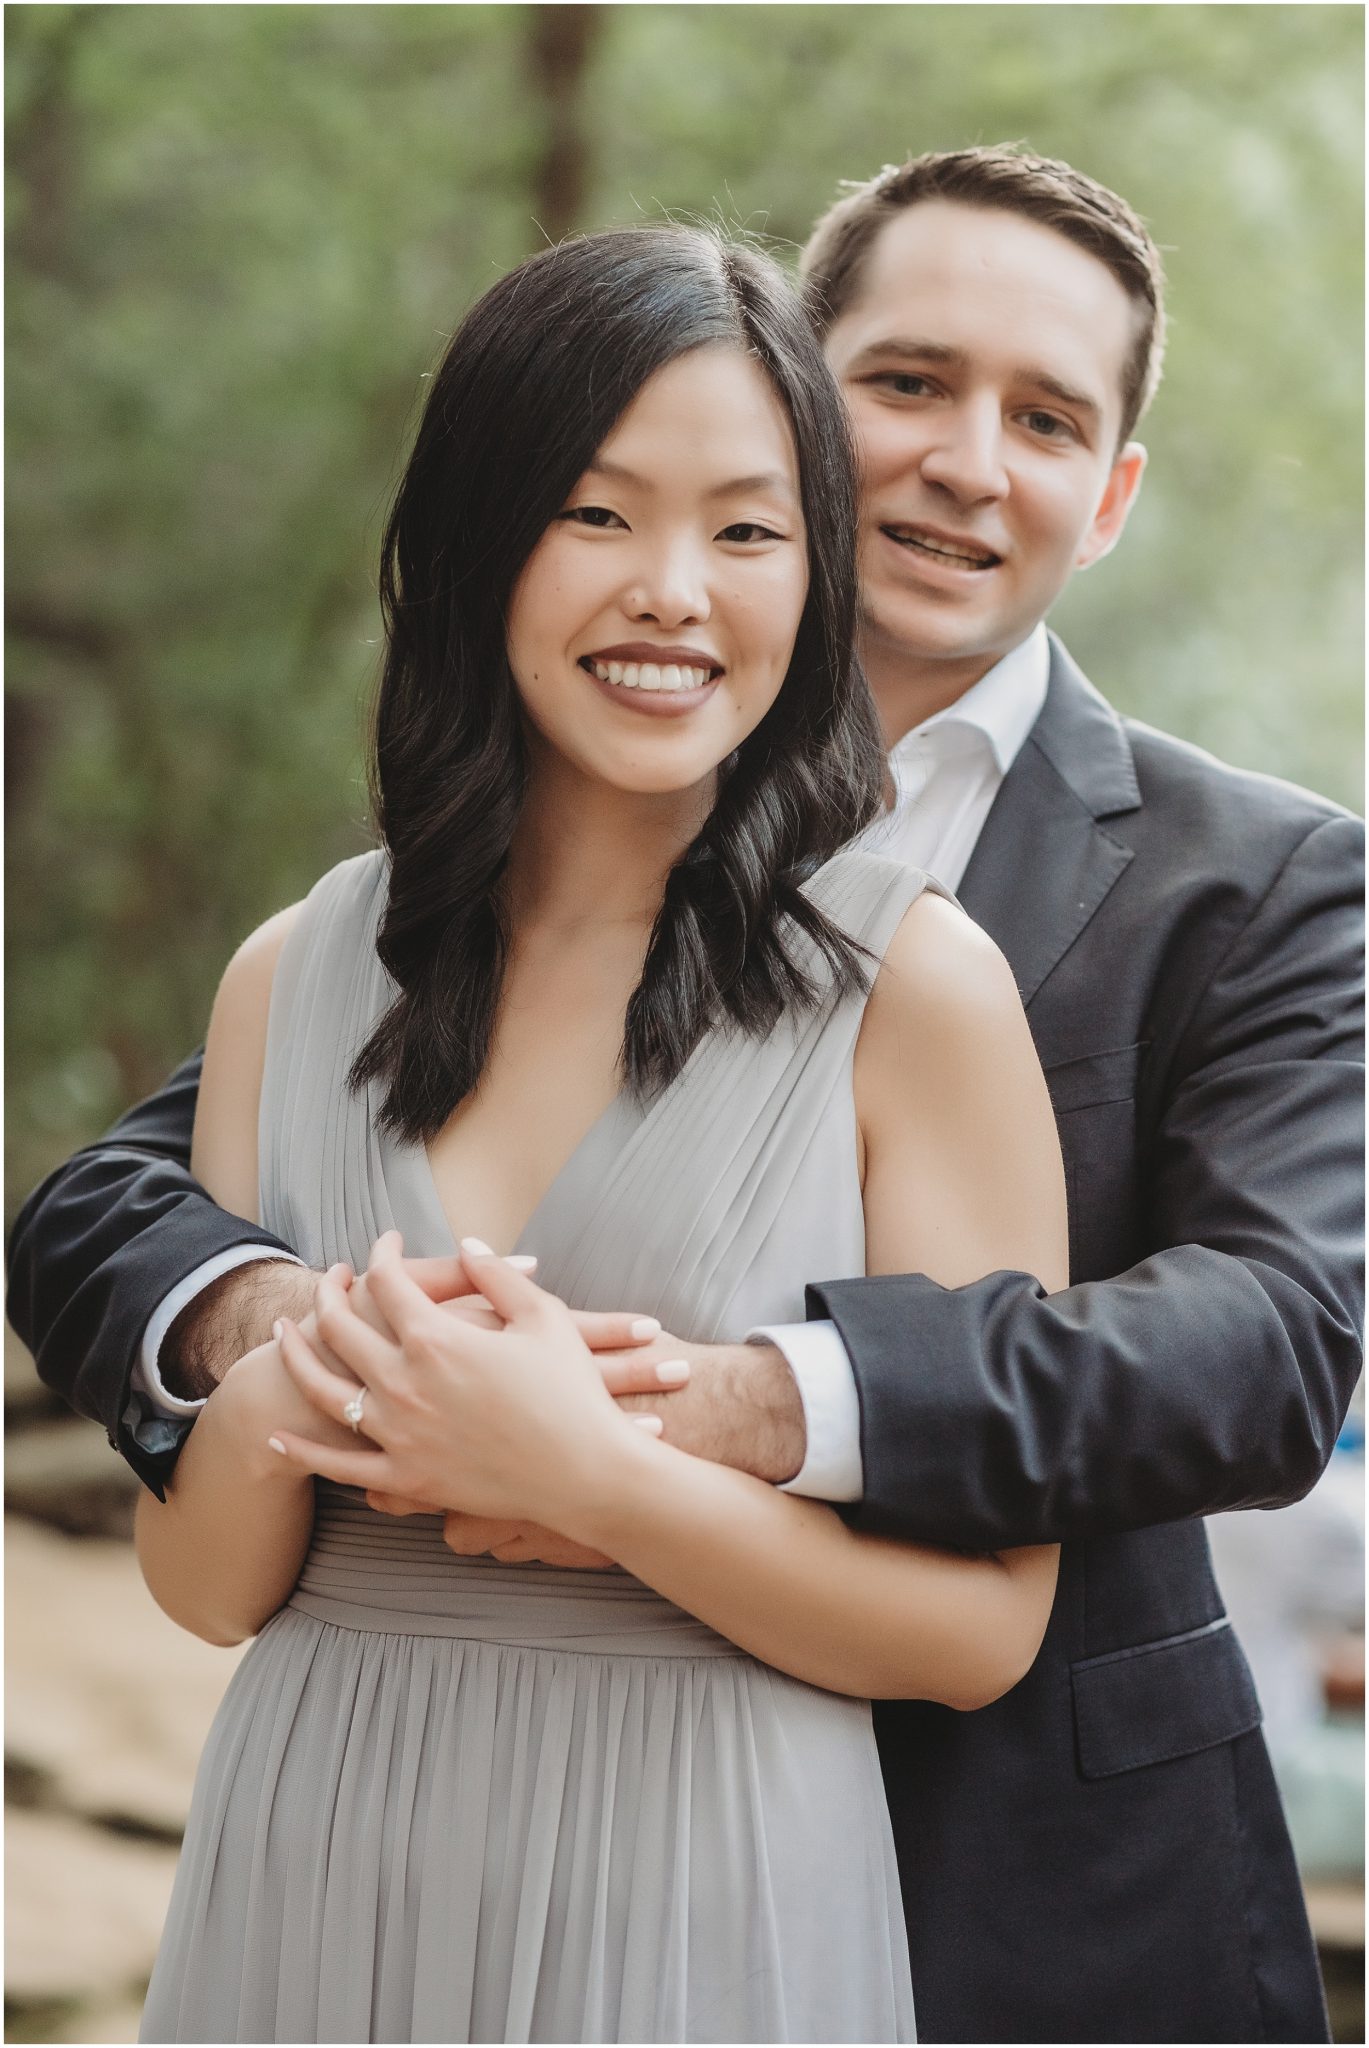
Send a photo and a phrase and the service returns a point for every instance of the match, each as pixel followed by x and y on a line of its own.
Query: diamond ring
pixel 352 1412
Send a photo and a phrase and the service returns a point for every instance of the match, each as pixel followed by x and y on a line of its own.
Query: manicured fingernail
pixel 644 1327
pixel 673 1373
pixel 523 1262
pixel 276 1329
pixel 476 1247
pixel 274 1443
pixel 652 1424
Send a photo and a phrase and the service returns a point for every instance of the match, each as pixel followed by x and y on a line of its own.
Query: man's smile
pixel 953 551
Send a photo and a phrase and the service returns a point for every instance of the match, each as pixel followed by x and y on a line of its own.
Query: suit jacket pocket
pixel 1094 1078
pixel 1157 1701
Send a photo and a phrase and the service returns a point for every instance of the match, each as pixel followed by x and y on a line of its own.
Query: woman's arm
pixel 223 1550
pixel 962 1175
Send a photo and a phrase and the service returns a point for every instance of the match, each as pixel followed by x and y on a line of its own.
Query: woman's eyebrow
pixel 763 480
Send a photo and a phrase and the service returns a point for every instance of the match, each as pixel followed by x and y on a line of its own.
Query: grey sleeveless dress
pixel 447 1799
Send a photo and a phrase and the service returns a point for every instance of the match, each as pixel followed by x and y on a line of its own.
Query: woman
pixel 605 995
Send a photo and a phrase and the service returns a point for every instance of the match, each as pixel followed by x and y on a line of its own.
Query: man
pixel 1100 1855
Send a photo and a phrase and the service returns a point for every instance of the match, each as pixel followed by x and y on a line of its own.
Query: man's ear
pixel 1119 495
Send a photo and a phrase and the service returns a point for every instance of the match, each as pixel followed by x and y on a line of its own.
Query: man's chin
pixel 911 629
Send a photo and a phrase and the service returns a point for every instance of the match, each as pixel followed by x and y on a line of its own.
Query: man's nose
pixel 966 455
pixel 670 585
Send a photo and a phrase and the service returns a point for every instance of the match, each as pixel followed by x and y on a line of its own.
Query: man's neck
pixel 910 688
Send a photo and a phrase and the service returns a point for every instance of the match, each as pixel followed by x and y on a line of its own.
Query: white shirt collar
pixel 1002 706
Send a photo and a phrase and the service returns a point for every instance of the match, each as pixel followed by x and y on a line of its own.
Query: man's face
pixel 982 363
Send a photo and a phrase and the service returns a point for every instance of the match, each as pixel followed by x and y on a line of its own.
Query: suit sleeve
pixel 1214 1374
pixel 98 1246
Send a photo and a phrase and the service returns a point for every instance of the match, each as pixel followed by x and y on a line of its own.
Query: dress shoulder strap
pixel 867 894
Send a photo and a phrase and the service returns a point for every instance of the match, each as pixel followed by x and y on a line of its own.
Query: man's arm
pixel 1215 1373
pixel 100 1245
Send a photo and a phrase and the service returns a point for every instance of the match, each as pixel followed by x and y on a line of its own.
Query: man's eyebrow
pixel 1053 388
pixel 908 348
pixel 763 480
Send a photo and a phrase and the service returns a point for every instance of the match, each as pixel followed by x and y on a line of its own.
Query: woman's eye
pixel 904 383
pixel 748 530
pixel 592 515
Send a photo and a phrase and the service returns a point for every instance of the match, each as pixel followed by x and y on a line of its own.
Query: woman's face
pixel 653 623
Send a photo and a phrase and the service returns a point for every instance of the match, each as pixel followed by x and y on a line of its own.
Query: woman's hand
pixel 262 1397
pixel 514 1424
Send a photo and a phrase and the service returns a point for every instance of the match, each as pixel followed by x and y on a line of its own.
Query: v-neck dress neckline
pixel 409 1172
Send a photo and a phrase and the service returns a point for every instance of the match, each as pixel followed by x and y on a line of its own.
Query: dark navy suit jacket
pixel 1100 1856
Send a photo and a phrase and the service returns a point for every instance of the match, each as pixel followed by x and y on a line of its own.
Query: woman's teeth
pixel 649 675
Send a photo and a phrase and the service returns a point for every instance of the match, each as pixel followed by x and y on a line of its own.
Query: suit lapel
pixel 1044 864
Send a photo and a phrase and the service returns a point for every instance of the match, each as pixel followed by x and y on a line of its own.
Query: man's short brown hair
pixel 1010 180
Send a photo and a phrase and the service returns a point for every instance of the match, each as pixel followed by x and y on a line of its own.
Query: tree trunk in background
pixel 561 41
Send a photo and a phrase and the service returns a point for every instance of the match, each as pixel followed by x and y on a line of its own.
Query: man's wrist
pixel 229 1318
pixel 740 1407
pixel 774 1442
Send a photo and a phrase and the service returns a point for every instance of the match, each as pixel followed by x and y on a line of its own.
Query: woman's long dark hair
pixel 531 386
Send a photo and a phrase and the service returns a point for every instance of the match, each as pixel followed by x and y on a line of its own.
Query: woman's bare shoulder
pixel 247 979
pixel 941 975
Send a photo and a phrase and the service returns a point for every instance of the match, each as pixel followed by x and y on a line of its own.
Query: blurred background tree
pixel 238 236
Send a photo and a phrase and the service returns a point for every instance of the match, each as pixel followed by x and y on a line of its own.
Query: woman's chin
pixel 670 771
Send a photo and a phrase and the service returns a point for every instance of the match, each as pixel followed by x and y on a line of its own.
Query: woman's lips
pixel 672 702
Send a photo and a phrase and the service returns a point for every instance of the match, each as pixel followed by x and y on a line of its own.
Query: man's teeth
pixel 650 675
pixel 941 547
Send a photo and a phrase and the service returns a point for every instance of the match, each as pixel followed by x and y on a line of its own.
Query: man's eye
pixel 591 515
pixel 749 530
pixel 1048 424
pixel 904 383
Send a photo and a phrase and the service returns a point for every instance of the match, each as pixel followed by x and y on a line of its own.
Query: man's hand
pixel 517 1543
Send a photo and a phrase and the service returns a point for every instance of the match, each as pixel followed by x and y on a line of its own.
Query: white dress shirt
pixel 946 773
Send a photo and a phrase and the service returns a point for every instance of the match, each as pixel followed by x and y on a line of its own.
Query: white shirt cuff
pixel 815 1354
pixel 147 1379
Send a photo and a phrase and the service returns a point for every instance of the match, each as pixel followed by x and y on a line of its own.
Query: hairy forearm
pixel 229 1318
pixel 740 1408
pixel 224 1549
pixel 787 1581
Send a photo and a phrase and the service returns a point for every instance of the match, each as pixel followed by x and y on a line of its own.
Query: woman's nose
pixel 670 587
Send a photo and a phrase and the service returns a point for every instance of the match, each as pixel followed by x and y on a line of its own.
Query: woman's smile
pixel 657 680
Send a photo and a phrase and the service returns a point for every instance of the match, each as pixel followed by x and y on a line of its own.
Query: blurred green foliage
pixel 237 238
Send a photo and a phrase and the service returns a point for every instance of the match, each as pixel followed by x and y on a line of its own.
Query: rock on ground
pixel 107 1702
